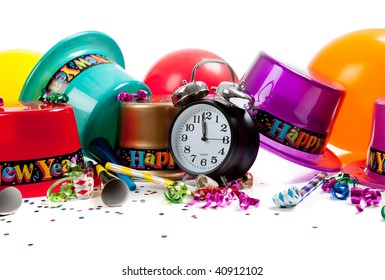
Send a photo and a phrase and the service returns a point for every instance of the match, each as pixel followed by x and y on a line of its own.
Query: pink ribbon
pixel 221 197
pixel 124 96
pixel 368 195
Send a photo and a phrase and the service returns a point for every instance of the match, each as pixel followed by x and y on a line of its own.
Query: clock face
pixel 200 138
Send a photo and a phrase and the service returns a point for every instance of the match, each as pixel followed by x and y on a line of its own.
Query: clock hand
pixel 214 139
pixel 204 128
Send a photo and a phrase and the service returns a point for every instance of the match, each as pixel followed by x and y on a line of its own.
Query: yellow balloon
pixel 15 66
pixel 357 61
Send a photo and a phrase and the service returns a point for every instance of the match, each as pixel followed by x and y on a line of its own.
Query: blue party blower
pixel 102 152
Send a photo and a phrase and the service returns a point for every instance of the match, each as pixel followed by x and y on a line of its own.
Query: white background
pixel 321 238
pixel 147 30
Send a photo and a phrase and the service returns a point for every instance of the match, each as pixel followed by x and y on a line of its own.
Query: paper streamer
pixel 293 196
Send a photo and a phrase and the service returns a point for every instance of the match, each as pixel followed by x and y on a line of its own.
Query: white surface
pixel 319 239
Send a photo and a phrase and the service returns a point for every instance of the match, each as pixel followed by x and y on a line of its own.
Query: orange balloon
pixel 357 61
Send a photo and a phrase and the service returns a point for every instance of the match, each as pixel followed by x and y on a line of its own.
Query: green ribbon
pixel 67 191
pixel 176 192
pixel 55 98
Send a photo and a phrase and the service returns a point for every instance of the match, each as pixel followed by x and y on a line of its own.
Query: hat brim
pixel 87 42
pixel 327 161
pixel 357 169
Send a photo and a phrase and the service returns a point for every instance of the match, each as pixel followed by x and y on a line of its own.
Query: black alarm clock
pixel 215 136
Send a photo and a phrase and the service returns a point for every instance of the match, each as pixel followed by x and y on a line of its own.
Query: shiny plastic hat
pixel 294 113
pixel 371 172
pixel 89 68
pixel 37 144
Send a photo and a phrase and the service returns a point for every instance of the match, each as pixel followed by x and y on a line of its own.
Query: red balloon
pixel 167 74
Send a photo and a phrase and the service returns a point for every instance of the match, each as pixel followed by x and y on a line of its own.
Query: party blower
pixel 114 191
pixel 293 196
pixel 10 201
pixel 102 151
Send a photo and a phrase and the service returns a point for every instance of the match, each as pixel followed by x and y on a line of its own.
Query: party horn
pixel 114 191
pixel 138 174
pixel 292 196
pixel 102 151
pixel 175 190
pixel 10 200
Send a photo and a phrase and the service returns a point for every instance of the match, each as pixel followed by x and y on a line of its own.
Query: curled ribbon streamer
pixel 328 184
pixel 338 186
pixel 55 98
pixel 292 196
pixel 175 192
pixel 75 184
pixel 124 96
pixel 340 190
pixel 223 196
pixel 245 201
pixel 219 198
pixel 368 195
pixel 67 190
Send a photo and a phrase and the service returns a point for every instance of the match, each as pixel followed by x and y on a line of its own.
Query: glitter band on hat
pixel 294 113
pixel 371 171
